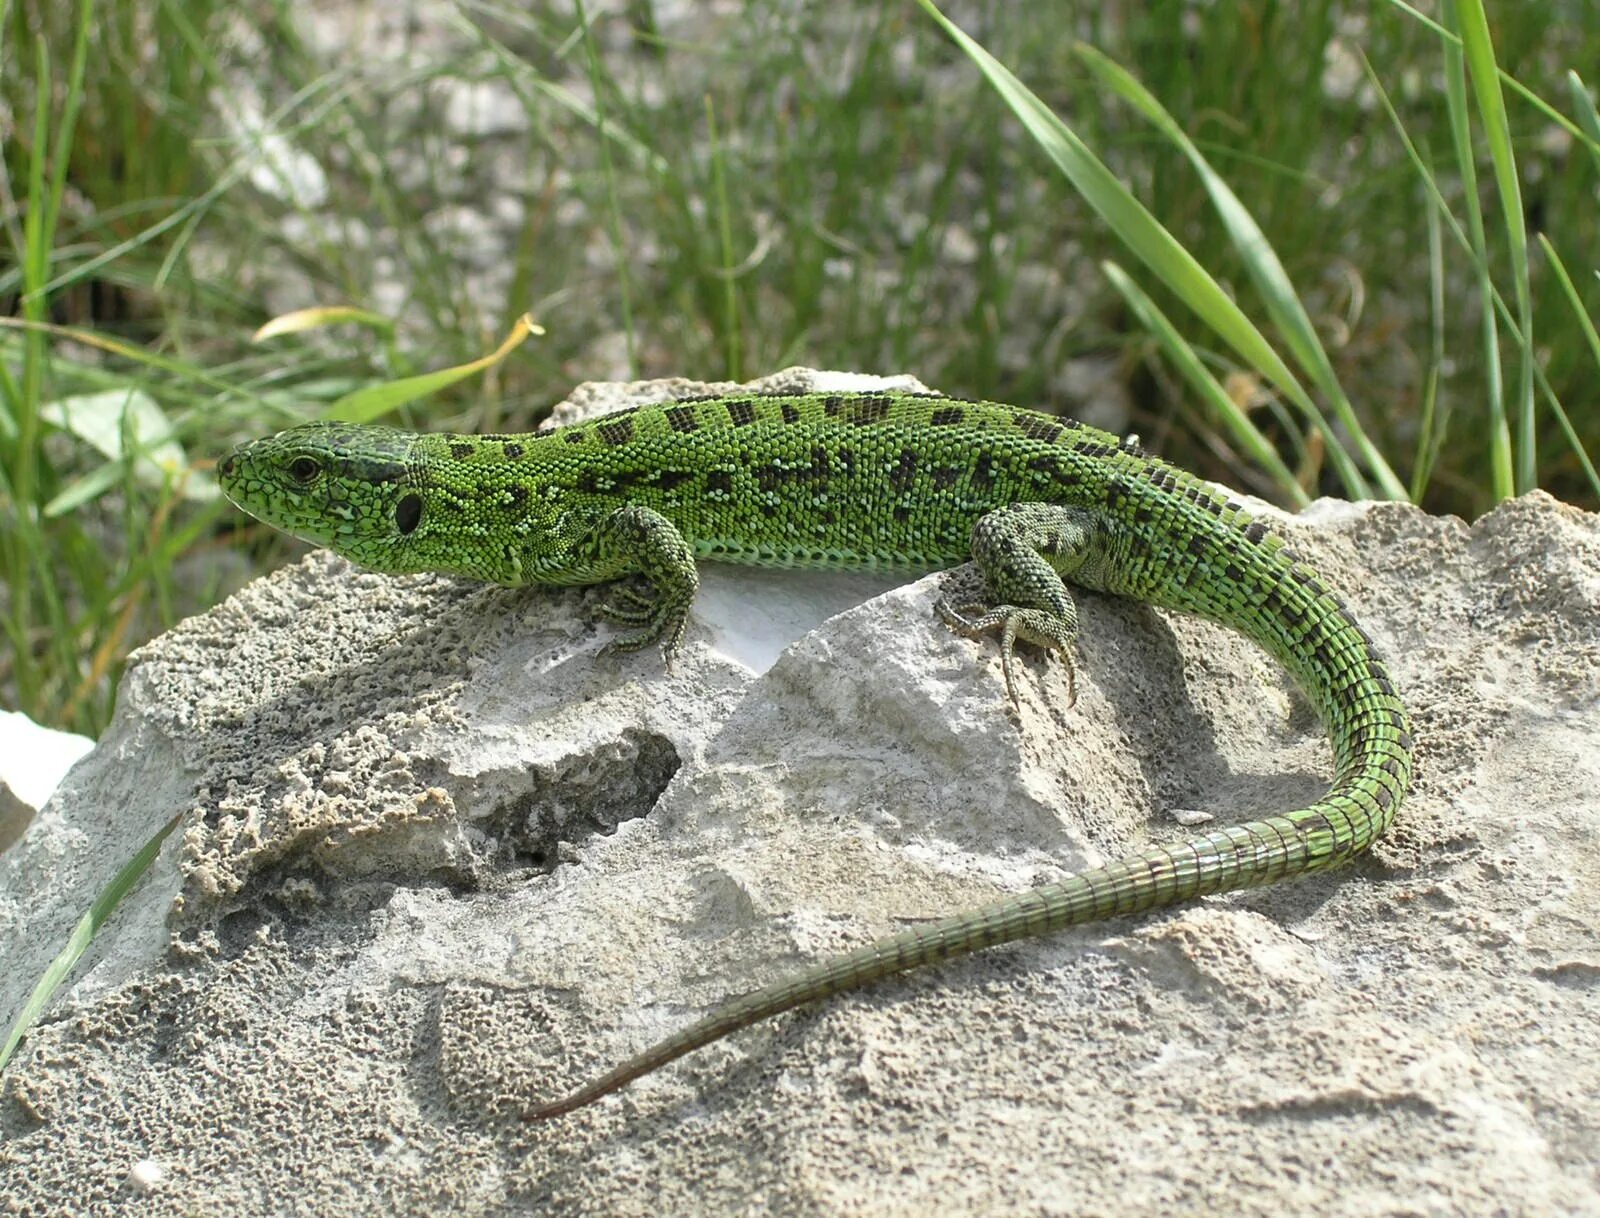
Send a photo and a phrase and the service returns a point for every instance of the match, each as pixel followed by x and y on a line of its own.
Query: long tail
pixel 1326 834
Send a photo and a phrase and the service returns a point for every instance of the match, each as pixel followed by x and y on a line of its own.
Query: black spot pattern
pixel 1037 426
pixel 983 471
pixel 671 479
pixel 616 431
pixel 869 410
pixel 904 472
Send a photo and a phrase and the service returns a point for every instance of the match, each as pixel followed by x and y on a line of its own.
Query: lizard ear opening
pixel 408 513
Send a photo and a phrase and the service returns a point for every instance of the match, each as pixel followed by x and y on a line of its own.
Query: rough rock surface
pixel 440 861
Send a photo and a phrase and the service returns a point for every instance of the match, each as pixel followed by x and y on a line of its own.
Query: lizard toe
pixel 1014 624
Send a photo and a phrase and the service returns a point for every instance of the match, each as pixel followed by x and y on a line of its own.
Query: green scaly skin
pixel 884 479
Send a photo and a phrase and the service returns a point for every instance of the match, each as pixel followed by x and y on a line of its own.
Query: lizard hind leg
pixel 1022 551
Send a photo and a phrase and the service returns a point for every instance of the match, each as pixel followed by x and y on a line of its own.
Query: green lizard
pixel 882 479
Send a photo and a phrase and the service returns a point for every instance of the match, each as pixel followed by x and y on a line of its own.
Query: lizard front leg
pixel 1022 551
pixel 641 542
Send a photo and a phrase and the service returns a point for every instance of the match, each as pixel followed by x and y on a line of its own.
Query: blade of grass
pixel 1583 107
pixel 1478 49
pixel 1501 471
pixel 71 104
pixel 1189 365
pixel 1431 429
pixel 730 286
pixel 1261 261
pixel 1150 242
pixel 613 199
pixel 25 551
pixel 325 315
pixel 1472 250
pixel 140 355
pixel 1586 325
pixel 1507 80
pixel 99 910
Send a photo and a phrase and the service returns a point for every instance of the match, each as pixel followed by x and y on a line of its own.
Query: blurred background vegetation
pixel 719 191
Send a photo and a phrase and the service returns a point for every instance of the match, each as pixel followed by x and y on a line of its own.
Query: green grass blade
pixel 1501 472
pixel 1583 107
pixel 613 198
pixel 1494 306
pixel 72 103
pixel 733 368
pixel 99 910
pixel 139 355
pixel 21 452
pixel 1148 240
pixel 1478 49
pixel 1193 370
pixel 1431 429
pixel 1586 325
pixel 1261 261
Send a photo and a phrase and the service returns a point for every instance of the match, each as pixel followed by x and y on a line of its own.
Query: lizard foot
pixel 1037 626
pixel 640 541
pixel 657 619
pixel 630 604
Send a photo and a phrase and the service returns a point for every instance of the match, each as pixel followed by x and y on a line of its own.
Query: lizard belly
pixel 750 552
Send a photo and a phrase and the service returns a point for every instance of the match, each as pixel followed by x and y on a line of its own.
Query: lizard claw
pixel 628 606
pixel 670 637
pixel 1013 623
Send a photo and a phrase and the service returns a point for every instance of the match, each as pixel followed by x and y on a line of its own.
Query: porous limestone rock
pixel 439 862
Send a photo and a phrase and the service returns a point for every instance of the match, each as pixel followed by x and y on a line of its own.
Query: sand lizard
pixel 878 479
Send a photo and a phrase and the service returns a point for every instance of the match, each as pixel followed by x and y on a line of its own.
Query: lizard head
pixel 349 487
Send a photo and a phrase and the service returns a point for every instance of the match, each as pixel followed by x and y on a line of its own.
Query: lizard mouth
pixel 228 470
pixel 233 476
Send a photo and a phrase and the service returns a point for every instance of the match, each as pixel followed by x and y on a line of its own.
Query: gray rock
pixel 440 862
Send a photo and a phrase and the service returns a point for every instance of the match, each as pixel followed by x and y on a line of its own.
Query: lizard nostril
pixel 227 465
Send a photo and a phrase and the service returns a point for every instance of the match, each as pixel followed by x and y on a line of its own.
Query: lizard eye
pixel 408 513
pixel 304 469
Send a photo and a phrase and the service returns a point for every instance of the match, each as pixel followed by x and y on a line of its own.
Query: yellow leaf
pixel 375 401
pixel 320 316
